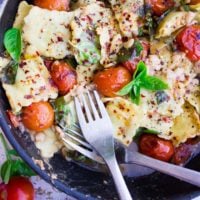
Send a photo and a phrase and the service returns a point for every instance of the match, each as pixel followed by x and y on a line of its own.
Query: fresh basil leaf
pixel 135 95
pixel 138 47
pixel 6 171
pixel 88 53
pixel 141 71
pixel 126 89
pixel 61 110
pixel 13 43
pixel 9 72
pixel 143 130
pixel 20 168
pixel 12 152
pixel 153 83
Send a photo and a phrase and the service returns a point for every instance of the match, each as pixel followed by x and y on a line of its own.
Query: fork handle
pixel 120 184
pixel 184 174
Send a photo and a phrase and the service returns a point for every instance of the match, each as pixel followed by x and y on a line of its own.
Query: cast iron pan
pixel 79 182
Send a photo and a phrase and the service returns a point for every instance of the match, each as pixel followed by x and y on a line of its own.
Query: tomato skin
pixel 194 2
pixel 64 76
pixel 132 63
pixel 110 81
pixel 153 146
pixel 20 188
pixel 160 6
pixel 188 41
pixel 38 116
pixel 60 5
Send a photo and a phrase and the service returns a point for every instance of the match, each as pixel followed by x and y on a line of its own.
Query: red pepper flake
pixel 29 96
pixel 60 39
pixel 22 64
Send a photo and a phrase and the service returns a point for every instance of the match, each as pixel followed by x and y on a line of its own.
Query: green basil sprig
pixel 13 44
pixel 13 166
pixel 138 47
pixel 142 80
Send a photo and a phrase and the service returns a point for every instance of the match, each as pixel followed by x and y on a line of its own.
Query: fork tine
pixel 87 110
pixel 87 153
pixel 74 132
pixel 80 116
pixel 85 144
pixel 71 130
pixel 101 106
pixel 94 109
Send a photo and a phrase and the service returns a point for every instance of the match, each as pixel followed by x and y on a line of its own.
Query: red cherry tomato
pixel 18 188
pixel 38 116
pixel 160 6
pixel 132 63
pixel 60 5
pixel 110 81
pixel 188 41
pixel 64 76
pixel 185 151
pixel 194 2
pixel 153 146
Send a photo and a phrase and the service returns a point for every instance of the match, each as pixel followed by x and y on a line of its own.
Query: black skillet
pixel 75 180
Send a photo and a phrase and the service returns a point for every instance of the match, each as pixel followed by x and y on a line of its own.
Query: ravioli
pixel 187 125
pixel 126 118
pixel 95 21
pixel 46 33
pixel 174 21
pixel 22 12
pixel 32 84
pixel 128 13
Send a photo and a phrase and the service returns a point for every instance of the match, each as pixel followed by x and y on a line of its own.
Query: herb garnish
pixel 142 80
pixel 184 5
pixel 13 166
pixel 138 47
pixel 13 44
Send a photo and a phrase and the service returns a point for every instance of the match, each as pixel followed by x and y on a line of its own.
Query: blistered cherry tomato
pixel 110 81
pixel 194 2
pixel 132 63
pixel 38 116
pixel 153 146
pixel 160 6
pixel 18 188
pixel 64 76
pixel 60 5
pixel 185 151
pixel 188 41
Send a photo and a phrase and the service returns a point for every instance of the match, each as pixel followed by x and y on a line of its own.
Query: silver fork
pixel 97 129
pixel 184 174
